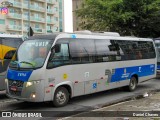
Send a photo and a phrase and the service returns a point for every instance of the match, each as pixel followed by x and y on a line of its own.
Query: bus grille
pixel 15 87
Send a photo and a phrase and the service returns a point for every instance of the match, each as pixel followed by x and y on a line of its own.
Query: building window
pixel 36 25
pixel 48 27
pixel 55 18
pixel 36 15
pixel 2 21
pixel 48 7
pixel 11 10
pixel 12 22
pixel 36 5
pixel 56 9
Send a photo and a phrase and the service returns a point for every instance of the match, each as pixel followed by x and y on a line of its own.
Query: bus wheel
pixel 61 97
pixel 133 84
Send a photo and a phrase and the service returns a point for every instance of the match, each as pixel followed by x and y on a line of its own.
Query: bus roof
pixel 115 36
pixel 157 38
pixel 45 36
pixel 11 36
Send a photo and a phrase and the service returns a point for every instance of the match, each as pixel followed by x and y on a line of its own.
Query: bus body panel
pixel 86 78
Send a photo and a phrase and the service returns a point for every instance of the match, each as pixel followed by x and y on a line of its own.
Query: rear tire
pixel 61 97
pixel 133 84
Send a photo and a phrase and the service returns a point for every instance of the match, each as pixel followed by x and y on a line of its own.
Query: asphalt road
pixel 82 103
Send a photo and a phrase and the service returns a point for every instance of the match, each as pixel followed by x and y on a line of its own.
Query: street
pixel 82 103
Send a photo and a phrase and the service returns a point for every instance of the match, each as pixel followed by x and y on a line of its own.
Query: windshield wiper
pixel 28 63
pixel 13 63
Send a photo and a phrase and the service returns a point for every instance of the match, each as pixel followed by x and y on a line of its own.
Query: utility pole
pixel 29 17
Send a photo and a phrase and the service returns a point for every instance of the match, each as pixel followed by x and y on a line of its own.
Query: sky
pixel 68 17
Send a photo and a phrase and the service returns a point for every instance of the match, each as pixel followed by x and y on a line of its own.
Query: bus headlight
pixel 29 84
pixel 6 80
pixel 32 82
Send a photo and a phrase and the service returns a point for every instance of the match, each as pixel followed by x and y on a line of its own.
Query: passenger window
pixel 9 54
pixel 59 56
pixel 82 51
pixel 107 50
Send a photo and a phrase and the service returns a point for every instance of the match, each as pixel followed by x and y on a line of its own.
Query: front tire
pixel 133 84
pixel 61 97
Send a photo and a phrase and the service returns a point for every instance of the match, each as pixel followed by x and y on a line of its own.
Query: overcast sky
pixel 68 17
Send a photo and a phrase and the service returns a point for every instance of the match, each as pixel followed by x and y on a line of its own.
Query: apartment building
pixel 76 5
pixel 44 16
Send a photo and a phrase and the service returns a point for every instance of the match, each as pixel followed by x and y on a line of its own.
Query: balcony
pixel 35 19
pixel 49 11
pixel 25 17
pixel 14 15
pixel 40 0
pixel 38 30
pixel 37 8
pixel 33 7
pixel 50 21
pixel 16 4
pixel 14 27
pixel 25 5
pixel 25 29
pixel 51 1
pixel 55 29
pixel 49 31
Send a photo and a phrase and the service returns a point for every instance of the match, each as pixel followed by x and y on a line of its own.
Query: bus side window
pixel 59 56
pixel 9 54
pixel 82 50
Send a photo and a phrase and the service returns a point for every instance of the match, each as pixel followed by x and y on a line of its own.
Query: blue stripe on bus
pixel 126 73
pixel 18 75
pixel 158 67
pixel 119 75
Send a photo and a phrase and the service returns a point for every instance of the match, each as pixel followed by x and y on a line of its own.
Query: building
pixel 44 16
pixel 76 5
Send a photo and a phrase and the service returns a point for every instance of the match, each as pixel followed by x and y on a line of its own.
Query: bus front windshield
pixel 158 50
pixel 31 54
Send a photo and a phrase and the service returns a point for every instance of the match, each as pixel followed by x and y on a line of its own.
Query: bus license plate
pixel 14 88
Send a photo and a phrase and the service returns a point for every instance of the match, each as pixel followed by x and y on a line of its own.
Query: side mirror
pixel 9 54
pixel 56 48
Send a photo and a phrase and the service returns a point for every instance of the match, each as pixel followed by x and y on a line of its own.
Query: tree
pixel 128 17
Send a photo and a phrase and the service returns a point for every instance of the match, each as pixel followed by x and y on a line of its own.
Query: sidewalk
pixel 138 109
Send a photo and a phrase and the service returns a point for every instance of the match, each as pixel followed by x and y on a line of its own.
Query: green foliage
pixel 128 17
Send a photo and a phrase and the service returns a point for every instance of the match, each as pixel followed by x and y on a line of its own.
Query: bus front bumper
pixel 22 99
pixel 25 95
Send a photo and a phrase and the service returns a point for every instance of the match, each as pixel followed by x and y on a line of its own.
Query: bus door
pixel 116 55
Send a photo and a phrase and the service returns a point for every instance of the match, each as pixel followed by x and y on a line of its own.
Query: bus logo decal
pixel 140 69
pixel 22 74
